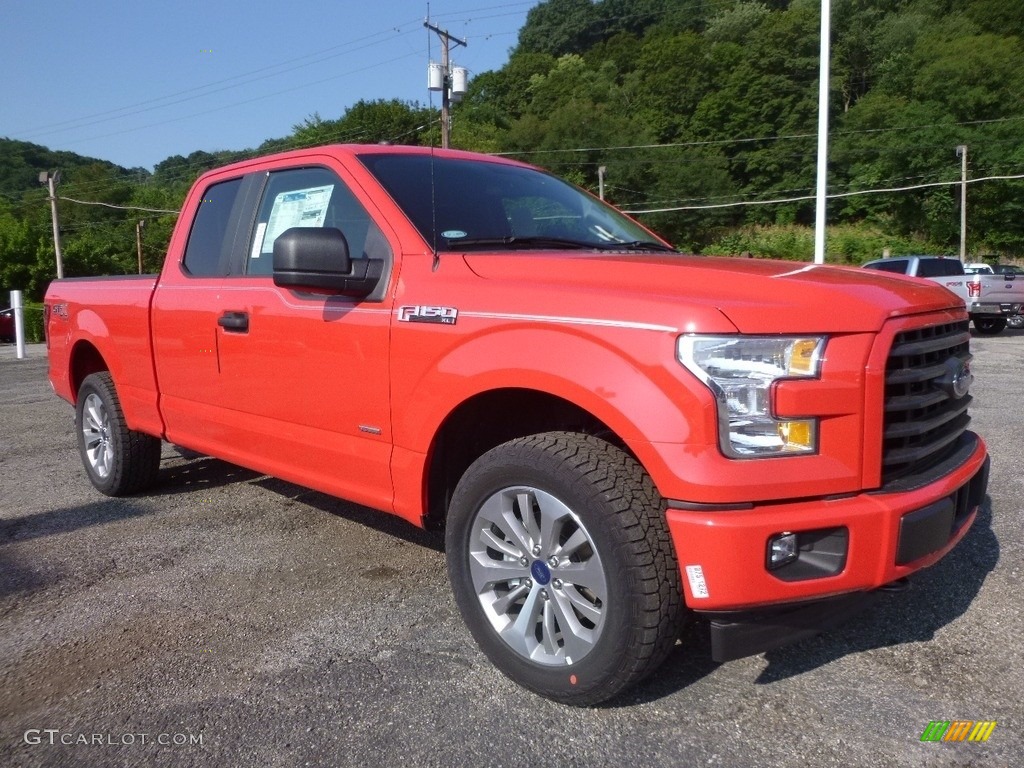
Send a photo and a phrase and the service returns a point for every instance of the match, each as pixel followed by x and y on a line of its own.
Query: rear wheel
pixel 1015 321
pixel 118 460
pixel 562 567
pixel 989 326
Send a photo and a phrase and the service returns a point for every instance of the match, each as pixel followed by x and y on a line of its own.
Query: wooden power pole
pixel 138 240
pixel 51 180
pixel 446 41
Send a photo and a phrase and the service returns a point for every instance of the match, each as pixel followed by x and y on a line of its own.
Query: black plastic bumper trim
pixel 930 528
pixel 735 634
pixel 698 506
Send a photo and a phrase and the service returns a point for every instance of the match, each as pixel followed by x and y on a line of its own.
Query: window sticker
pixel 257 242
pixel 298 208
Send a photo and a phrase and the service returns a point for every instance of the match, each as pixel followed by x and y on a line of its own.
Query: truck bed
pixel 100 310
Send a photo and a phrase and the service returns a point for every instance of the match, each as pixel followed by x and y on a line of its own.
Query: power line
pixel 402 29
pixel 753 139
pixel 833 196
pixel 201 91
pixel 118 207
pixel 696 143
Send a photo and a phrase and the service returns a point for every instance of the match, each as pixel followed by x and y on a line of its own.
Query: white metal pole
pixel 819 212
pixel 19 324
pixel 962 151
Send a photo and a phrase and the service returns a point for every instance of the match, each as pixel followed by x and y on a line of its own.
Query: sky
pixel 136 82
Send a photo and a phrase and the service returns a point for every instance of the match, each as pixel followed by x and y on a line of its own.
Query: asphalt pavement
pixel 231 619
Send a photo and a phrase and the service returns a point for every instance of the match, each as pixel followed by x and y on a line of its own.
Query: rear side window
pixel 939 268
pixel 209 246
pixel 899 266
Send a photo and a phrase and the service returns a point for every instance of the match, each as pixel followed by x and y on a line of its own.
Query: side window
pixel 208 245
pixel 311 197
pixel 899 266
pixel 940 268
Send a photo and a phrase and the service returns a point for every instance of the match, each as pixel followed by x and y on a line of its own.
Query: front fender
pixel 632 384
pixel 628 378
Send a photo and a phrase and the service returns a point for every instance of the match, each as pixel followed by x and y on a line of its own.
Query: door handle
pixel 235 322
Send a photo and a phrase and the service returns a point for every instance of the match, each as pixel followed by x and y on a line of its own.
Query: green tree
pixel 558 27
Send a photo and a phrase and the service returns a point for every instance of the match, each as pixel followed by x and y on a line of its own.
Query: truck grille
pixel 924 417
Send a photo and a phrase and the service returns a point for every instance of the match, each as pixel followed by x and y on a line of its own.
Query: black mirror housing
pixel 317 259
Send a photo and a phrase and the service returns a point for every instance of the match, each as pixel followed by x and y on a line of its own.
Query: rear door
pixel 185 308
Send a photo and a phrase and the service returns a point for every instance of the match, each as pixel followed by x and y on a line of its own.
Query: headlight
pixel 740 371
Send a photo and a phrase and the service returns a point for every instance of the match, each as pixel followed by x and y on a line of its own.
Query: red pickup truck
pixel 615 437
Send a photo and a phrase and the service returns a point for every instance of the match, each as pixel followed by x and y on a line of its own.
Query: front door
pixel 306 375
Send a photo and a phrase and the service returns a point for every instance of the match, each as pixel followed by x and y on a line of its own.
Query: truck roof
pixel 354 150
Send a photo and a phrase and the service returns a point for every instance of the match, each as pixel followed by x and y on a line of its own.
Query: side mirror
pixel 317 259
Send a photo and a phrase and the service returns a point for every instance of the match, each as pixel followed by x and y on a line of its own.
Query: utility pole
pixel 445 86
pixel 961 152
pixel 51 179
pixel 601 170
pixel 138 240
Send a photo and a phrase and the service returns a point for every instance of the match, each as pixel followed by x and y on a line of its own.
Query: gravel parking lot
pixel 231 619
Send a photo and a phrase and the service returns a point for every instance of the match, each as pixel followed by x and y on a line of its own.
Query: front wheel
pixel 562 566
pixel 989 326
pixel 118 460
pixel 1015 321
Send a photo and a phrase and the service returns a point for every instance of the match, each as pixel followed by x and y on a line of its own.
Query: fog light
pixel 781 550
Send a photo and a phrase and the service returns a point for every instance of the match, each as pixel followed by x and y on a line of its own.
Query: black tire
pixel 612 591
pixel 118 460
pixel 1015 321
pixel 989 326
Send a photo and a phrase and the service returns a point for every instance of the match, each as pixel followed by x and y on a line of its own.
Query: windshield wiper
pixel 637 245
pixel 513 242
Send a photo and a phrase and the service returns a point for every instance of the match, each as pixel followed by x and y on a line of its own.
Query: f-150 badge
pixel 424 314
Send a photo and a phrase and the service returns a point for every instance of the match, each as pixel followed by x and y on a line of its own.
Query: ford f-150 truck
pixel 991 299
pixel 615 437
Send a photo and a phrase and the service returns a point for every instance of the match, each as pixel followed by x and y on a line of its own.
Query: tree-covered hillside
pixel 706 102
pixel 703 112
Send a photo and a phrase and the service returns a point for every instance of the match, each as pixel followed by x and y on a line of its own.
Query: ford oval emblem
pixel 956 379
pixel 962 380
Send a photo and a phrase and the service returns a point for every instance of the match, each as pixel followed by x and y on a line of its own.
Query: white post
pixel 19 324
pixel 819 212
pixel 962 152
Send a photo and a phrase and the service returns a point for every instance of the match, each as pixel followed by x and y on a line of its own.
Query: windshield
pixel 461 204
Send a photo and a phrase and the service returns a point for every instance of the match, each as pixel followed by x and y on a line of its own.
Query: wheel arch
pixel 489 419
pixel 85 359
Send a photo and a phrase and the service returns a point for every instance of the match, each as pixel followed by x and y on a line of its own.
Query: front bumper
pixel 886 536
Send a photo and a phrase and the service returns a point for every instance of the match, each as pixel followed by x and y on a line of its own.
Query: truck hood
pixel 755 295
